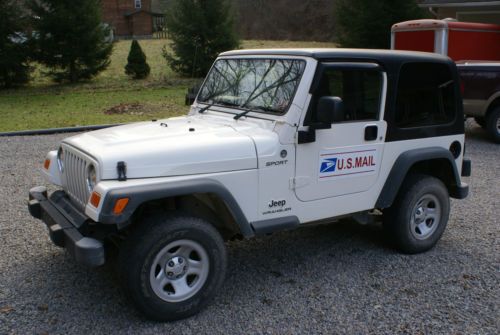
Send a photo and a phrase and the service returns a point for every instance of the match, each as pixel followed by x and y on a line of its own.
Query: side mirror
pixel 329 110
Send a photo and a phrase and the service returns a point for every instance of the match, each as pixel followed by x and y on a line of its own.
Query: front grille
pixel 74 176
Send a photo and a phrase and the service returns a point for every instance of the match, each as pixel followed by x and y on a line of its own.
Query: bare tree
pixel 286 19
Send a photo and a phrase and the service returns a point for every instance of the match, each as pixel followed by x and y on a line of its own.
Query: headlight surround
pixel 91 177
pixel 60 159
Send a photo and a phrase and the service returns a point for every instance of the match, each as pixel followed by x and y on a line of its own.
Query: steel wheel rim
pixel 179 270
pixel 425 217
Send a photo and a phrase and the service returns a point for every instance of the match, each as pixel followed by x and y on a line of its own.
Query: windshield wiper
pixel 254 109
pixel 245 112
pixel 221 103
pixel 201 111
pixel 245 109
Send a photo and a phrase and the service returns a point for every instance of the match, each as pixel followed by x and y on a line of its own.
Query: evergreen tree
pixel 137 67
pixel 14 49
pixel 367 23
pixel 200 30
pixel 70 38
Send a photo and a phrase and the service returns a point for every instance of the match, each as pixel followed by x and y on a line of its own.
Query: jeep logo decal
pixel 278 203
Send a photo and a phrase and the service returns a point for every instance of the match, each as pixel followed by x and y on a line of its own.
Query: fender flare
pixel 138 195
pixel 404 163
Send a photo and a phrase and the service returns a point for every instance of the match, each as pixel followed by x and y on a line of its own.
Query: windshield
pixel 261 85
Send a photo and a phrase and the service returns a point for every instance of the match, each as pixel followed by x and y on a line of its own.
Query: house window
pixel 138 4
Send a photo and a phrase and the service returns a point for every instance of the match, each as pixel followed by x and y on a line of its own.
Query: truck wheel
pixel 493 124
pixel 172 266
pixel 418 217
pixel 480 121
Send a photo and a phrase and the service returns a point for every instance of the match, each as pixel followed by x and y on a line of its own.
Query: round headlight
pixel 91 177
pixel 60 159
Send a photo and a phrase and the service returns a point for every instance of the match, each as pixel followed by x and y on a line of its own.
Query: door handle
pixel 371 133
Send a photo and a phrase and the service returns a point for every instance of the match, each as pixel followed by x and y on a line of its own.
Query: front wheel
pixel 418 217
pixel 172 266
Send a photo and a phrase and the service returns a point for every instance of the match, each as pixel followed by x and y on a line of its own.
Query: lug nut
pixel 170 274
pixel 171 263
pixel 180 260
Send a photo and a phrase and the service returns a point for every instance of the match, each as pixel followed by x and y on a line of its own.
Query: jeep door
pixel 346 157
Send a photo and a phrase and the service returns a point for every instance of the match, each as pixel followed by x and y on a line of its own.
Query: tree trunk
pixel 72 72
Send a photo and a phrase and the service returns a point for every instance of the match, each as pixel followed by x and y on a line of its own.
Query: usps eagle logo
pixel 328 165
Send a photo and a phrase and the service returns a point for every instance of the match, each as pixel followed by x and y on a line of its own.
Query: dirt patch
pixel 130 109
pixel 146 109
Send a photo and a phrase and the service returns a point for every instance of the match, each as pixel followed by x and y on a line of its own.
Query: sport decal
pixel 338 163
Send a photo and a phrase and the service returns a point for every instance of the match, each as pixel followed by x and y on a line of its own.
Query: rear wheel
pixel 172 266
pixel 493 124
pixel 418 217
pixel 480 121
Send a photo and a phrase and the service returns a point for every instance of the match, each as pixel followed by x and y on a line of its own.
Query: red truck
pixel 475 47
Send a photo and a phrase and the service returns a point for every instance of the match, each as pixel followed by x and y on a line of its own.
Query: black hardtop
pixel 392 61
pixel 381 56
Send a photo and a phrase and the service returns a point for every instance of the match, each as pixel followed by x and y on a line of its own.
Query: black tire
pixel 149 240
pixel 401 217
pixel 480 121
pixel 493 124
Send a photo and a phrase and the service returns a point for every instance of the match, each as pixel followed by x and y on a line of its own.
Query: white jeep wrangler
pixel 276 139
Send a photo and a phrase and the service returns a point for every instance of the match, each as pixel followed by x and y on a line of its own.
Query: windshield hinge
pixel 121 168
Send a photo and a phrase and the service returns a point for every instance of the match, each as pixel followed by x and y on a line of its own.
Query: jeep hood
pixel 171 147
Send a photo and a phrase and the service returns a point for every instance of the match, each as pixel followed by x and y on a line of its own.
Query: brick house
pixel 481 11
pixel 133 18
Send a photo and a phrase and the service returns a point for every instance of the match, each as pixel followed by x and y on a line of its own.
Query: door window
pixel 359 89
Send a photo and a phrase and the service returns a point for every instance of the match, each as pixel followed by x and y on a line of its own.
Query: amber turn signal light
pixel 46 164
pixel 95 199
pixel 120 205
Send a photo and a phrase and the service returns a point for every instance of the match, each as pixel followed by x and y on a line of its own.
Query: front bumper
pixel 63 221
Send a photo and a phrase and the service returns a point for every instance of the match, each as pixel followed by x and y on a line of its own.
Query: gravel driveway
pixel 340 278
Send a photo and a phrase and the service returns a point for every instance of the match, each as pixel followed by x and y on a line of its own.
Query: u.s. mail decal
pixel 348 163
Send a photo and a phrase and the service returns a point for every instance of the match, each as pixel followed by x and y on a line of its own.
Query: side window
pixel 426 95
pixel 359 89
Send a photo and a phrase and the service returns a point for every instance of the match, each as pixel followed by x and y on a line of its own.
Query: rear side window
pixel 426 95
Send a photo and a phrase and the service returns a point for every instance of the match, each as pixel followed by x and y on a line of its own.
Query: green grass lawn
pixel 74 108
pixel 111 97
